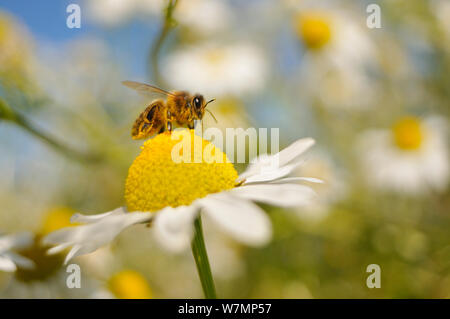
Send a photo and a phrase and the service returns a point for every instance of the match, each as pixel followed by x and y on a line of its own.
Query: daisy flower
pixel 218 70
pixel 201 16
pixel 206 17
pixel 45 266
pixel 410 158
pixel 337 55
pixel 171 196
pixel 129 284
pixel 9 260
pixel 115 12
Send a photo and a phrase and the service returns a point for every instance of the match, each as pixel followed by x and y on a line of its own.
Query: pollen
pixel 313 29
pixel 174 169
pixel 408 133
pixel 129 284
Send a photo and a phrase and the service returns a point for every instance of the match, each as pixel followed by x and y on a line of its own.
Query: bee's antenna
pixel 209 102
pixel 211 114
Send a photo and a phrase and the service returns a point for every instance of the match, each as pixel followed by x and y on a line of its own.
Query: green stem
pixel 9 114
pixel 202 262
pixel 169 23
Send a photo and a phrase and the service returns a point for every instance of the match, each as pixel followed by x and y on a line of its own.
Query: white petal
pixel 6 264
pixel 20 240
pixel 285 195
pixel 288 180
pixel 270 163
pixel 293 151
pixel 269 175
pixel 92 236
pixel 242 219
pixel 87 219
pixel 19 260
pixel 58 249
pixel 174 227
pixel 72 253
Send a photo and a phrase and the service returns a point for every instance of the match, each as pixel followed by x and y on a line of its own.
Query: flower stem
pixel 168 24
pixel 9 114
pixel 202 262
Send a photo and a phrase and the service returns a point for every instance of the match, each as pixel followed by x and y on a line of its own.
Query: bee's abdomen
pixel 150 121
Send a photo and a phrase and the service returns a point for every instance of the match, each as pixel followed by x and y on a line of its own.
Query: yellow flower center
pixel 129 284
pixel 57 218
pixel 408 133
pixel 314 29
pixel 215 56
pixel 175 169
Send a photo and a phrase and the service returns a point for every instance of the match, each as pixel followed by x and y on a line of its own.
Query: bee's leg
pixel 191 125
pixel 169 122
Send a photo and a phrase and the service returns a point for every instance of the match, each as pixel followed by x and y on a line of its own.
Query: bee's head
pixel 198 105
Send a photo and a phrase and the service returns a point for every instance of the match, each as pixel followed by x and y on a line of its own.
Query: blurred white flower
pixel 338 55
pixel 115 12
pixel 230 205
pixel 217 70
pixel 200 16
pixel 410 158
pixel 9 260
pixel 203 16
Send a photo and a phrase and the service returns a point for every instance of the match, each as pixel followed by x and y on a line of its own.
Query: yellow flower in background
pixel 45 265
pixel 410 158
pixel 314 29
pixel 408 133
pixel 172 194
pixel 56 218
pixel 338 53
pixel 129 284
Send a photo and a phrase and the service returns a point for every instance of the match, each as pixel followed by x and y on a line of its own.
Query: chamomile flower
pixel 170 195
pixel 201 16
pixel 45 266
pixel 129 284
pixel 204 17
pixel 410 158
pixel 338 54
pixel 10 260
pixel 115 12
pixel 218 70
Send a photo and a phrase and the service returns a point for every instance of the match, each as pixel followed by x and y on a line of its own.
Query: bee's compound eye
pixel 197 102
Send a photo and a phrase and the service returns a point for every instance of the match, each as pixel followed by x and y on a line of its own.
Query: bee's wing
pixel 145 89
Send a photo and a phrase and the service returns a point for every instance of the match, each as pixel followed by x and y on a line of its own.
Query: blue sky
pixel 46 21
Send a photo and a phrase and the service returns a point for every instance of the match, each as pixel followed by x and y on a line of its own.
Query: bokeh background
pixel 376 101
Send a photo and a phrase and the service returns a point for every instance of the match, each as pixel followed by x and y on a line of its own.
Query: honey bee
pixel 179 108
